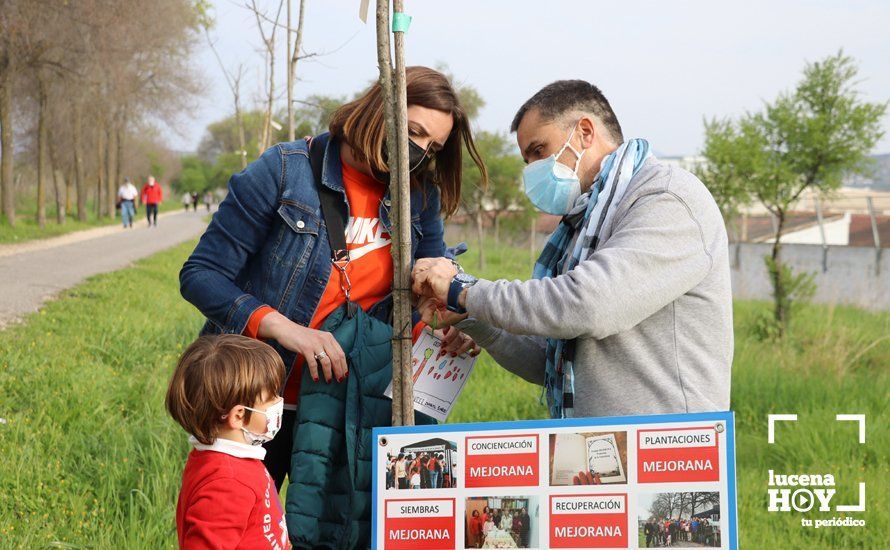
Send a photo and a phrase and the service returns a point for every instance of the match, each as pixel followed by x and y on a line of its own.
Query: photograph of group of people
pixel 502 522
pixel 428 464
pixel 588 458
pixel 679 520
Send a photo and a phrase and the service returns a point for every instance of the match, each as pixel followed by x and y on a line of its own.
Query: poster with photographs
pixel 665 481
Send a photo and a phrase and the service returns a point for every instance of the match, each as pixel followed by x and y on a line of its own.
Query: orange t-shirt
pixel 369 269
pixel 369 244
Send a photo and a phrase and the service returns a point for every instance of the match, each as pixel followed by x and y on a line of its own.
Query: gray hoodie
pixel 650 309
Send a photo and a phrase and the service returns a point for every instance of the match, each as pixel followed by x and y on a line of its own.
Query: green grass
pixel 26 227
pixel 89 458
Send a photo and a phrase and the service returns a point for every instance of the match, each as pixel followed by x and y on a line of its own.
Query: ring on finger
pixel 320 355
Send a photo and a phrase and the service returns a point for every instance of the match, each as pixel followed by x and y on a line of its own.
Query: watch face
pixel 465 278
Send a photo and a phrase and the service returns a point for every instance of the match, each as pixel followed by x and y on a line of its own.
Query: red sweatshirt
pixel 152 194
pixel 228 500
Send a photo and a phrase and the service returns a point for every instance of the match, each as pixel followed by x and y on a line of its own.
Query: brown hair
pixel 217 373
pixel 360 123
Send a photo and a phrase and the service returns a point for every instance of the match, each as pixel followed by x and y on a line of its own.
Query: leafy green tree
pixel 505 195
pixel 504 192
pixel 314 116
pixel 194 176
pixel 807 139
pixel 221 137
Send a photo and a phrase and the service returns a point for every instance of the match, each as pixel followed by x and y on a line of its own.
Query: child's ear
pixel 234 419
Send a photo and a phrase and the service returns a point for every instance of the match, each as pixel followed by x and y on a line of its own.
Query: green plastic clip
pixel 400 22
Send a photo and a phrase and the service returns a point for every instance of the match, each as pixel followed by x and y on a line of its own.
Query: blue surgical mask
pixel 552 186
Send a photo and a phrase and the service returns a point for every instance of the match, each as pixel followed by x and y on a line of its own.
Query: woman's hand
pixel 457 343
pixel 436 315
pixel 318 348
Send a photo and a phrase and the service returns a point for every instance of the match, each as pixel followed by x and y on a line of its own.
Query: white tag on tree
pixel 438 377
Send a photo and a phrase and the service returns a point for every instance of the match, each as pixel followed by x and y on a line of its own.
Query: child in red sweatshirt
pixel 224 393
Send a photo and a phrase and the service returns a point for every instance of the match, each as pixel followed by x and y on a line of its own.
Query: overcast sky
pixel 664 65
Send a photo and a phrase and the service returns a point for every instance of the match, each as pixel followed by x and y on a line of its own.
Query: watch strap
pixel 454 296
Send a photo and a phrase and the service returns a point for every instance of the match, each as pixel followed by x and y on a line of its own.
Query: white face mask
pixel 273 423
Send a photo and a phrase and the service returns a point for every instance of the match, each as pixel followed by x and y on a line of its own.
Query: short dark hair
pixel 563 96
pixel 216 373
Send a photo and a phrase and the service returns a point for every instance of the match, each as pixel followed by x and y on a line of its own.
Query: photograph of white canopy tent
pixel 427 464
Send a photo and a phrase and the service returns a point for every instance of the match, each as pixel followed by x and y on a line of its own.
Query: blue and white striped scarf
pixel 590 213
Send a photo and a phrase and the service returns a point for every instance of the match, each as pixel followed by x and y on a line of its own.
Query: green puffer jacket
pixel 329 495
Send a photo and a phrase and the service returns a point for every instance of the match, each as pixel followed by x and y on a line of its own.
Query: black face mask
pixel 418 160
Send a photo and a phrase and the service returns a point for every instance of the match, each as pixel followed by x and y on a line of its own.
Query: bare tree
pixel 233 81
pixel 395 103
pixel 268 37
pixel 7 58
pixel 293 57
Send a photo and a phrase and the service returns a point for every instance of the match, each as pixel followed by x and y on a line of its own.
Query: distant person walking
pixel 152 196
pixel 208 200
pixel 126 196
pixel 194 201
pixel 186 200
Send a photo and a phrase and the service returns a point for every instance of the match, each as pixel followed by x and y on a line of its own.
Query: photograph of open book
pixel 588 458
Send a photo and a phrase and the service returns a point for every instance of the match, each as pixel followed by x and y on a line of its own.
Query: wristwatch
pixel 458 284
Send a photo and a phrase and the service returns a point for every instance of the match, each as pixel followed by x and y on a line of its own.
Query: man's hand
pixel 436 315
pixel 432 278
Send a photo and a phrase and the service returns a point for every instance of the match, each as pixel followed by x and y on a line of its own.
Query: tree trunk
pixel 69 192
pixel 240 121
pixel 58 185
pixel 42 153
pixel 110 150
pixel 266 140
pixel 497 230
pixel 779 291
pixel 79 179
pixel 100 170
pixel 402 271
pixel 395 115
pixel 119 151
pixel 292 66
pixel 532 252
pixel 480 235
pixel 7 186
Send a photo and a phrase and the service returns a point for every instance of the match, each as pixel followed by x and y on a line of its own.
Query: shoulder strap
pixel 331 205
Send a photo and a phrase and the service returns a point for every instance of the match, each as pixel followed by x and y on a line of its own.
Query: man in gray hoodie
pixel 646 314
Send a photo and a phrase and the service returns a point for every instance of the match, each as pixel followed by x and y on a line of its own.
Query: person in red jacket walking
pixel 152 196
pixel 224 393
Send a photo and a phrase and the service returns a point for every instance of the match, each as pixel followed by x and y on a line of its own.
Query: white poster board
pixel 617 482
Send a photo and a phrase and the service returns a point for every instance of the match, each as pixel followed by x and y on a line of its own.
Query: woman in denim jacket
pixel 263 267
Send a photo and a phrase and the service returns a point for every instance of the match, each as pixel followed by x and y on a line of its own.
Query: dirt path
pixel 32 273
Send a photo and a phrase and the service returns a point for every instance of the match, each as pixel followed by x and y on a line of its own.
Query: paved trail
pixel 31 275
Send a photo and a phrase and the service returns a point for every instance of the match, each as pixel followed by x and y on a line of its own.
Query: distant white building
pixel 689 163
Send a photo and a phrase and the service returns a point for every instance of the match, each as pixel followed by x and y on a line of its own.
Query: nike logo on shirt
pixel 365 235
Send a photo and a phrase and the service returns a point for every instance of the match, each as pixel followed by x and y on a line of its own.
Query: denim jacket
pixel 267 244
